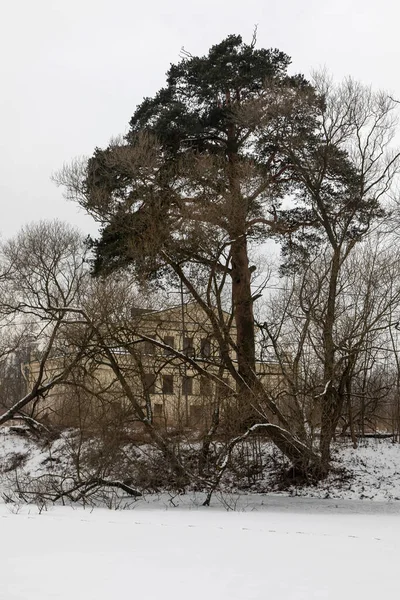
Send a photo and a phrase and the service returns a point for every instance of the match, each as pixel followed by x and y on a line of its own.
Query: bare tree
pixel 367 301
pixel 45 269
pixel 347 171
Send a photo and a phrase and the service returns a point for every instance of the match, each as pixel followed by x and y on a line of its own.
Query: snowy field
pixel 287 548
pixel 339 540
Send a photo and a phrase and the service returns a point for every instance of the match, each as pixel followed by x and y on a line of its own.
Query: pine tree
pixel 203 170
pixel 200 177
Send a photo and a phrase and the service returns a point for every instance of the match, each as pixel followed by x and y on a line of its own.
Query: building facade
pixel 171 372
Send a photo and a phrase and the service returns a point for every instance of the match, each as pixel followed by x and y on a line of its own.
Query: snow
pixel 372 473
pixel 199 553
pixel 327 542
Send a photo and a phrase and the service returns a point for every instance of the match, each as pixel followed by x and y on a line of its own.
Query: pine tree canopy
pixel 211 157
pixel 201 160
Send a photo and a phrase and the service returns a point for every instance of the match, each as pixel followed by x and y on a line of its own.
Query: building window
pixel 150 383
pixel 205 386
pixel 157 410
pixel 149 347
pixel 196 415
pixel 168 384
pixel 223 391
pixel 187 386
pixel 169 340
pixel 188 347
pixel 205 347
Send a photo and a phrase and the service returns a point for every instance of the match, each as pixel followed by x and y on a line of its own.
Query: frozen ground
pixel 371 472
pixel 298 551
pixel 325 542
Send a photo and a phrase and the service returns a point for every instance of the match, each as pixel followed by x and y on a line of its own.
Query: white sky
pixel 72 71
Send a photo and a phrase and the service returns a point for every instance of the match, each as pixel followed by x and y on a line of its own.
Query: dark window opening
pixel 223 390
pixel 158 410
pixel 168 384
pixel 149 347
pixel 205 386
pixel 206 347
pixel 196 414
pixel 188 347
pixel 150 383
pixel 187 386
pixel 169 340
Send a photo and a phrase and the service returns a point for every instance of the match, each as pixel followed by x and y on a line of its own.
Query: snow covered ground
pixel 371 472
pixel 280 553
pixel 325 542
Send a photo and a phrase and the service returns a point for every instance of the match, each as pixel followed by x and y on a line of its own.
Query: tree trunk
pixel 350 413
pixel 243 307
pixel 329 397
pixel 242 301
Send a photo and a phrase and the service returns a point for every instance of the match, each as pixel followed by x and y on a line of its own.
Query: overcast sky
pixel 72 72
